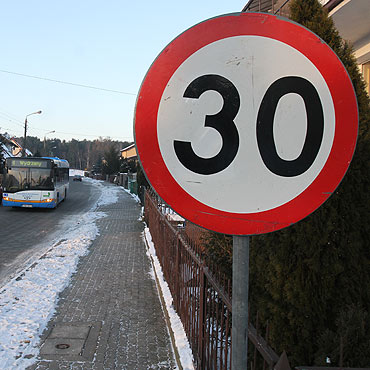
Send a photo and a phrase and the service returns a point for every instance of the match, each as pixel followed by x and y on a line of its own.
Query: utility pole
pixel 24 139
pixel 50 132
pixel 25 132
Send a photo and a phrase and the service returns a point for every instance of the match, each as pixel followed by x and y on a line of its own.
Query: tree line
pixel 100 155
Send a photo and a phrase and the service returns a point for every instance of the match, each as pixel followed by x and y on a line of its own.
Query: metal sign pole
pixel 239 356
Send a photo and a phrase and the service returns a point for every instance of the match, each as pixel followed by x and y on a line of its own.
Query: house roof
pixel 127 148
pixel 9 147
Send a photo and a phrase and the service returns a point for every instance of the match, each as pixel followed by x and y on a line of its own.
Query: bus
pixel 35 182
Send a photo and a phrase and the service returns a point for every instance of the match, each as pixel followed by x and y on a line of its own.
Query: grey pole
pixel 239 356
pixel 25 132
pixel 25 138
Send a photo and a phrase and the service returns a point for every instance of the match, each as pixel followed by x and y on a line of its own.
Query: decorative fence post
pixel 202 308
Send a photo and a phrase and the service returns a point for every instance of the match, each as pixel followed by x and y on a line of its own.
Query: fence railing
pixel 202 298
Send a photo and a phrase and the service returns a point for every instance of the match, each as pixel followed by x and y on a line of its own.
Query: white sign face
pixel 250 65
pixel 246 123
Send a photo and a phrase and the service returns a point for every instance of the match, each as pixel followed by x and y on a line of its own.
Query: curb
pixel 164 309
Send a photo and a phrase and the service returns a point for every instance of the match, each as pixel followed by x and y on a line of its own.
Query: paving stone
pixel 113 286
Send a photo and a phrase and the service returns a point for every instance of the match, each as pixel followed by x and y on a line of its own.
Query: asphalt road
pixel 25 233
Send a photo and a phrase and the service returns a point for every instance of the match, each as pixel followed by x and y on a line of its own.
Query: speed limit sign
pixel 246 123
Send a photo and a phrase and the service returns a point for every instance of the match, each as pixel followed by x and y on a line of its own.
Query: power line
pixel 72 133
pixel 117 138
pixel 8 129
pixel 75 134
pixel 35 129
pixel 12 119
pixel 15 121
pixel 67 83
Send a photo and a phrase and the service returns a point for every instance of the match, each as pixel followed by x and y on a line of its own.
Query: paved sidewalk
pixel 111 309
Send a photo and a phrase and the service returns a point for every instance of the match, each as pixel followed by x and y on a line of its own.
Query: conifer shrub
pixel 141 179
pixel 304 277
pixel 311 281
pixel 142 182
pixel 218 251
pixel 351 334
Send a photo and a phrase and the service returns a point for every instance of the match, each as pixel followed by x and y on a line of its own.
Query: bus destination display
pixel 32 163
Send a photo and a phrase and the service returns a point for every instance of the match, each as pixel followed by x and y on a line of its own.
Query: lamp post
pixel 52 151
pixel 25 132
pixel 50 132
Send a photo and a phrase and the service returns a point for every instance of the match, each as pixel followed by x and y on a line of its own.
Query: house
pixel 129 152
pixel 267 6
pixel 128 178
pixel 9 147
pixel 351 18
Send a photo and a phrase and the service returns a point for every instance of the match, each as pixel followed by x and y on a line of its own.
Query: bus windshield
pixel 18 179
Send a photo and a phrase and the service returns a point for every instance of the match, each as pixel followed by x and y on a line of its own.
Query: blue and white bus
pixel 35 182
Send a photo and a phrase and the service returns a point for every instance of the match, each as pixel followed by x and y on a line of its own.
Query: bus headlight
pixel 6 198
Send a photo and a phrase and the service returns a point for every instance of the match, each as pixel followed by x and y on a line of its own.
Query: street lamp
pixel 25 132
pixel 52 150
pixel 50 132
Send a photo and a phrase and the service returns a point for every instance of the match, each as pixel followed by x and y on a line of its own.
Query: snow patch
pixel 181 340
pixel 74 172
pixel 29 301
pixel 132 194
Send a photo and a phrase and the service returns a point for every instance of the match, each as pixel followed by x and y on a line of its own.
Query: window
pixel 366 74
pixel 61 175
pixel 18 179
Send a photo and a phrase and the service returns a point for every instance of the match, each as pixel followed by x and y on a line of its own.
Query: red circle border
pixel 202 34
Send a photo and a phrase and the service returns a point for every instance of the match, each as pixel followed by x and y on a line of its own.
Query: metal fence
pixel 201 294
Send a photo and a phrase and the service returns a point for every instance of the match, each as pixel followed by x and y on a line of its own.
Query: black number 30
pixel 223 122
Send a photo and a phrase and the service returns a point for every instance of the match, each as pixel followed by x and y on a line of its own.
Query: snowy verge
pixel 110 195
pixel 132 194
pixel 28 302
pixel 181 340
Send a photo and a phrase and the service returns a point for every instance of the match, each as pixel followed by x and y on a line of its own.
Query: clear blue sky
pixel 106 44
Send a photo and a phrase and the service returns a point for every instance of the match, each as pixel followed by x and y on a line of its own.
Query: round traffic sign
pixel 246 123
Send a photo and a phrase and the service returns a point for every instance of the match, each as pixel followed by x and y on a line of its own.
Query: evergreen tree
pixel 142 182
pixel 80 154
pixel 218 251
pixel 350 337
pixel 304 276
pixel 128 165
pixel 111 163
